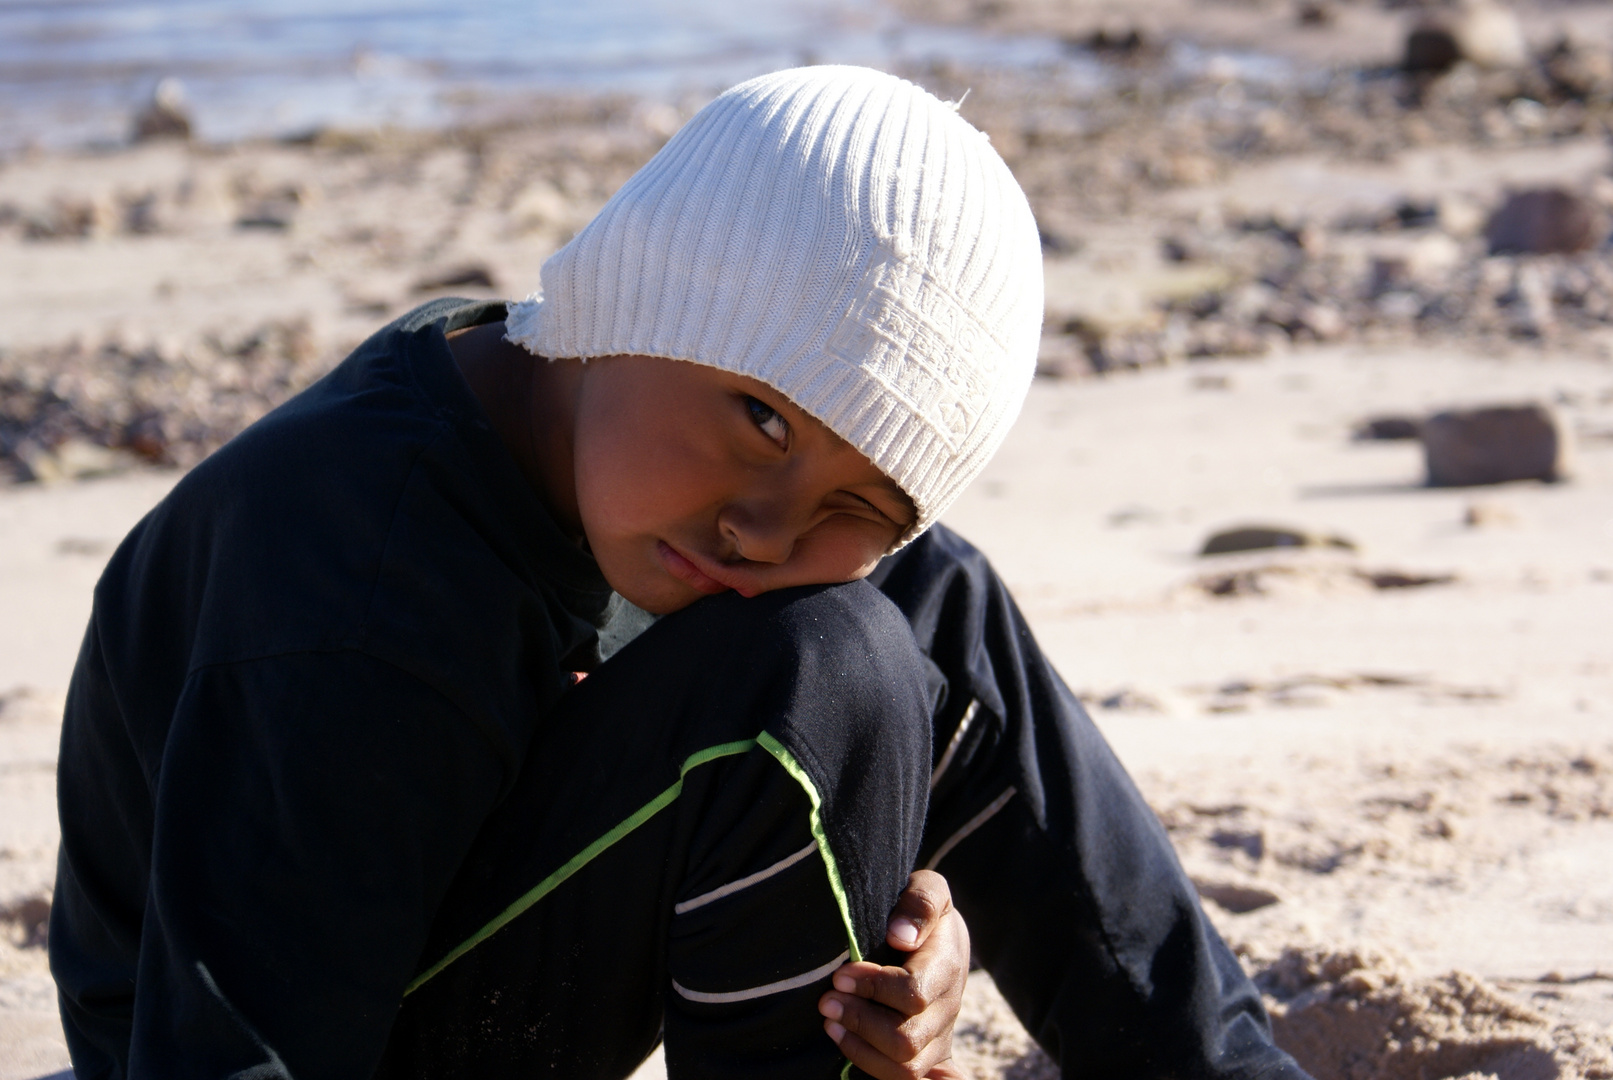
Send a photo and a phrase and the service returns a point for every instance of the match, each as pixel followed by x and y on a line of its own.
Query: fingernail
pixel 836 1032
pixel 832 1009
pixel 845 984
pixel 903 930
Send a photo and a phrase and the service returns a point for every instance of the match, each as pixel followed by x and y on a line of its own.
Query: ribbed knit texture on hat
pixel 839 234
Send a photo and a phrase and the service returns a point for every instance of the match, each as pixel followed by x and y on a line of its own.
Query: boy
pixel 337 799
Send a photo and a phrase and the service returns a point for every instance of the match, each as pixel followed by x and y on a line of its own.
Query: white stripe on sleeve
pixel 779 987
pixel 745 882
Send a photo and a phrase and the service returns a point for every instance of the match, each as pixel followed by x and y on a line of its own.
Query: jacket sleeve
pixel 309 813
pixel 1075 900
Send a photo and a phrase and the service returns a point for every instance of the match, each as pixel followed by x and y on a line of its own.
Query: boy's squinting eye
pixel 767 418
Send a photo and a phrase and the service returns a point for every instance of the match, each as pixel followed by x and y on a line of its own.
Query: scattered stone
pixel 1458 217
pixel 166 115
pixel 1316 13
pixel 73 459
pixel 1055 243
pixel 1238 899
pixel 72 218
pixel 467 275
pixel 1579 70
pixel 1464 448
pixel 1259 537
pixel 1284 579
pixel 1484 34
pixel 1546 221
pixel 1134 514
pixel 1431 49
pixel 541 205
pixel 1123 42
pixel 1399 579
pixel 274 211
pixel 1252 842
pixel 1387 429
pixel 1490 35
pixel 30 919
pixel 1061 356
pixel 85 546
pixel 1128 700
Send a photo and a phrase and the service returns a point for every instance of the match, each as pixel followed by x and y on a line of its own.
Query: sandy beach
pixel 1387 761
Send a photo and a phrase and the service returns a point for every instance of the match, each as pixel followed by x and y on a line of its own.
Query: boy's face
pixel 692 481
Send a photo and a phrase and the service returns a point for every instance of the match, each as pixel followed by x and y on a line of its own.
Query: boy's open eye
pixel 773 425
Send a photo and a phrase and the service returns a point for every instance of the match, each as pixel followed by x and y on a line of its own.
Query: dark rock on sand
pixel 1387 429
pixel 1260 537
pixel 1546 221
pixel 1236 898
pixel 1482 33
pixel 31 916
pixel 1431 49
pixel 466 275
pixel 1463 448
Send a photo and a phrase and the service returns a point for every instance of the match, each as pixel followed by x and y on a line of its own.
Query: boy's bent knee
pixel 846 623
pixel 841 650
pixel 827 679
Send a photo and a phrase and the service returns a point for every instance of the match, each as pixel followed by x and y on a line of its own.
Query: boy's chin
pixel 658 597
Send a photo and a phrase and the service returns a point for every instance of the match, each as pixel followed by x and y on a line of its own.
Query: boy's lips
pixel 684 569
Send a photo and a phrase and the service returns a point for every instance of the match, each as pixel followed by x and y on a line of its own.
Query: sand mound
pixel 1361 1016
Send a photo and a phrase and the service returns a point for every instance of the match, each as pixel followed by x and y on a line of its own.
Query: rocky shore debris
pixel 1456 258
pixel 166 115
pixel 1471 447
pixel 76 411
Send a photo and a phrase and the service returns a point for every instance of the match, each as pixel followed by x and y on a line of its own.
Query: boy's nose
pixel 763 531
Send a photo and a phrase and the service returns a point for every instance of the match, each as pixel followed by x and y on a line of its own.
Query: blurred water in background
pixel 71 71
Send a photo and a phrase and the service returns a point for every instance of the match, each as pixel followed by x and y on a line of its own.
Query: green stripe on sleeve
pixel 633 821
pixel 793 767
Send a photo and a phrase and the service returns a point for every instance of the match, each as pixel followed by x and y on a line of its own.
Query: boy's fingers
pixel 857 977
pixel 896 988
pixel 934 973
pixel 924 903
pixel 878 1044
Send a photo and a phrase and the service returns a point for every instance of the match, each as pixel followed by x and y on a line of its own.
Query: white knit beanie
pixel 844 237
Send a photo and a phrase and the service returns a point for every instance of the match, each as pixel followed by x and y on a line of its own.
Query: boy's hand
pixel 895 1023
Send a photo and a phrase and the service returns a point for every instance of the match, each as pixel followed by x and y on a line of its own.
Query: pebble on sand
pixel 1468 447
pixel 1387 429
pixel 1546 221
pixel 1260 537
pixel 1482 33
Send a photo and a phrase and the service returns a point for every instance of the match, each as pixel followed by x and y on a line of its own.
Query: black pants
pixel 728 808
